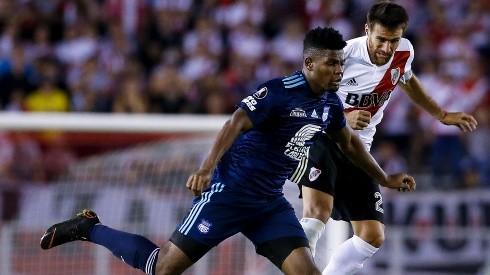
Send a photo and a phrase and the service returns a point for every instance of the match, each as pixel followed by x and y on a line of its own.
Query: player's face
pixel 324 72
pixel 382 43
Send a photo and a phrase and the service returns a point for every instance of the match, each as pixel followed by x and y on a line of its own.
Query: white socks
pixel 313 229
pixel 349 257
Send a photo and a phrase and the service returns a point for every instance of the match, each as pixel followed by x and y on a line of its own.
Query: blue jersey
pixel 287 116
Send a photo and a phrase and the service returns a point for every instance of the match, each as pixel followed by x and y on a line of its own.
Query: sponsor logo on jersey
pixel 367 100
pixel 260 93
pixel 298 112
pixel 313 114
pixel 351 82
pixel 314 173
pixel 374 100
pixel 395 75
pixel 204 226
pixel 250 102
pixel 296 148
pixel 326 111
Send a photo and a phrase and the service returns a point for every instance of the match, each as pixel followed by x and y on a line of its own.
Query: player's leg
pixel 299 261
pixel 370 231
pixel 278 236
pixel 351 255
pixel 363 208
pixel 141 253
pixel 317 183
pixel 172 260
pixel 137 251
pixel 317 208
pixel 290 254
pixel 214 216
pixel 133 249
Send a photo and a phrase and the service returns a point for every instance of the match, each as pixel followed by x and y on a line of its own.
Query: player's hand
pixel 464 121
pixel 198 181
pixel 358 119
pixel 400 182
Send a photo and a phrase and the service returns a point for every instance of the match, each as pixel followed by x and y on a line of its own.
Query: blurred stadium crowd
pixel 203 56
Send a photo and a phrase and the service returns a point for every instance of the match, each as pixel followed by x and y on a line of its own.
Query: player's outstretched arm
pixel 352 146
pixel 414 89
pixel 235 126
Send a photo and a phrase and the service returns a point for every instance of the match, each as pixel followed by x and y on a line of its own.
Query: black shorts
pixel 356 195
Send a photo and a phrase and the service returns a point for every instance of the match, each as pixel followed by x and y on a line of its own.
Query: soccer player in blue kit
pixel 239 186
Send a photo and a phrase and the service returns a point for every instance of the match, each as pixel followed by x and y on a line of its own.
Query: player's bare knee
pixel 377 237
pixel 378 240
pixel 370 231
pixel 317 209
pixel 171 261
pixel 307 267
pixel 373 238
pixel 317 204
pixel 165 267
pixel 310 269
pixel 299 261
pixel 321 213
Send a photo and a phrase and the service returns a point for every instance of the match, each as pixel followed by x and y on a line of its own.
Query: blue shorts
pixel 220 213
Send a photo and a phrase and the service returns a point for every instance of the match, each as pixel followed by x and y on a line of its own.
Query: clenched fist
pixel 358 119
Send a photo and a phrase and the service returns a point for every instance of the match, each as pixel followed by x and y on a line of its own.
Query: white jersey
pixel 366 86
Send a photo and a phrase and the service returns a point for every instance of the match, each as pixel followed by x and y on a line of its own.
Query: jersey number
pixel 379 202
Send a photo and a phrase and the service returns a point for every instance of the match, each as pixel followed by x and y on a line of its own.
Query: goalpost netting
pixel 131 170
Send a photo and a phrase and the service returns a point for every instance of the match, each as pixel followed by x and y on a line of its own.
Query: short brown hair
pixel 388 14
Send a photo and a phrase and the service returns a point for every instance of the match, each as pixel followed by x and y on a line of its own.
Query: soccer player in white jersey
pixel 331 185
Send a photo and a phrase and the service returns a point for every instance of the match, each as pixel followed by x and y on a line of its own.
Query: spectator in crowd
pixel 15 81
pixel 287 44
pixel 212 99
pixel 41 44
pixel 84 48
pixel 48 98
pixel 90 85
pixel 389 158
pixel 476 166
pixel 453 91
pixel 168 90
pixel 132 98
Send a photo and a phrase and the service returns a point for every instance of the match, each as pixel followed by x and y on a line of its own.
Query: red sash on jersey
pixel 382 91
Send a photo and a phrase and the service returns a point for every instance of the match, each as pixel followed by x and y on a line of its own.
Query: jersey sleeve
pixel 260 105
pixel 347 51
pixel 408 66
pixel 337 120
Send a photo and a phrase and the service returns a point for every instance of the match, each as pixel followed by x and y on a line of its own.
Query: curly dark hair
pixel 323 39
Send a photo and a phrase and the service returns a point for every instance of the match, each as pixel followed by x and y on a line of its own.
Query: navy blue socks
pixel 135 250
